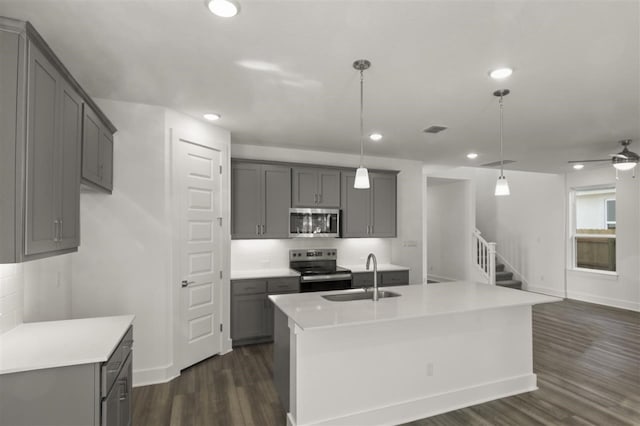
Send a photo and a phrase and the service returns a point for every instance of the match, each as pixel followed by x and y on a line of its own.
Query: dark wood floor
pixel 587 358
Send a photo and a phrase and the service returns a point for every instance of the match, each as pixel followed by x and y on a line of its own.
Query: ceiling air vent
pixel 497 163
pixel 435 129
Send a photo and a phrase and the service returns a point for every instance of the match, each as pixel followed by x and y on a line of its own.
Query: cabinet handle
pixel 257 229
pixel 371 232
pixel 60 230
pixel 262 229
pixel 55 231
pixel 123 389
pixel 100 171
pixel 319 198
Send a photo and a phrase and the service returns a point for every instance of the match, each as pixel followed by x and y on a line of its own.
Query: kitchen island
pixel 433 349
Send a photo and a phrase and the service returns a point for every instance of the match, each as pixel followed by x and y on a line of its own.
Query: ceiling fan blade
pixel 587 161
pixel 619 156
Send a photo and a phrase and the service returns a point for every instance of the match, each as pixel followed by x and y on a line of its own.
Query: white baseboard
pixel 433 404
pixel 545 290
pixel 607 301
pixel 153 376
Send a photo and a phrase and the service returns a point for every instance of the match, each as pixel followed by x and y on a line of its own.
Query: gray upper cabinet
pixel 54 117
pixel 97 152
pixel 40 155
pixel 260 200
pixel 369 213
pixel 315 187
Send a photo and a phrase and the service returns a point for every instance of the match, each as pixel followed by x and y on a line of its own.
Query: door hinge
pixel 220 167
pixel 221 328
pixel 220 221
pixel 221 274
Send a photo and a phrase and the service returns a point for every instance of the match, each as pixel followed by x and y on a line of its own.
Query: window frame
pixel 574 235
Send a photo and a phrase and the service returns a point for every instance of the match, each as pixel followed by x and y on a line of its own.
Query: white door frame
pixel 220 140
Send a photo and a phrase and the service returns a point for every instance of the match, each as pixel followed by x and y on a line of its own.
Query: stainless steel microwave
pixel 310 223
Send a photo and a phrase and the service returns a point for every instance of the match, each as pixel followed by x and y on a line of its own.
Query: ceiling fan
pixel 624 160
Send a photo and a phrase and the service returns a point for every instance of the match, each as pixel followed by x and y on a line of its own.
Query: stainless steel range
pixel 318 270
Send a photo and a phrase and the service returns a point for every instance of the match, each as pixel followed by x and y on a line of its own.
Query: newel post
pixel 492 263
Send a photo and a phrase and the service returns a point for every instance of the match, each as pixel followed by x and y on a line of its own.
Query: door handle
pixel 186 283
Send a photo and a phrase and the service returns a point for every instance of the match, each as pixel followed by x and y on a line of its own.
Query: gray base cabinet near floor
pixel 252 311
pixel 94 394
pixel 385 279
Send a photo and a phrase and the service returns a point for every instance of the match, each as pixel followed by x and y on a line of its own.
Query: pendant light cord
pixel 361 116
pixel 501 130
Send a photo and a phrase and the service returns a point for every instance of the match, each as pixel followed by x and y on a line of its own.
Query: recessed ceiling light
pixel 578 166
pixel 223 8
pixel 500 73
pixel 212 116
pixel 375 136
pixel 472 155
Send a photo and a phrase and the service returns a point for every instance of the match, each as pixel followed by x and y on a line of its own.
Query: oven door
pixel 309 283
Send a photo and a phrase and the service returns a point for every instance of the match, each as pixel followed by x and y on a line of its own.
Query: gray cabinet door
pixel 249 316
pixel 42 192
pixel 97 151
pixel 91 146
pixel 69 167
pixel 356 208
pixel 304 187
pixel 329 188
pixel 315 187
pixel 106 159
pixel 383 205
pixel 246 211
pixel 276 200
pixel 390 278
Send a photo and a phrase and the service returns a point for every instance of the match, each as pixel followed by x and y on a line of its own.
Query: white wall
pixel 124 264
pixel 405 250
pixel 38 290
pixel 622 289
pixel 449 235
pixel 528 225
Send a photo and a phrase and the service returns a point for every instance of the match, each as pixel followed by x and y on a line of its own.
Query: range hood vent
pixel 497 163
pixel 435 129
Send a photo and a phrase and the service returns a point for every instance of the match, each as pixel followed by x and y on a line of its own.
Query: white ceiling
pixel 280 73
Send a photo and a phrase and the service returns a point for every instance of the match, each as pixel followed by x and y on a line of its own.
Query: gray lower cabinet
pixel 369 213
pixel 94 394
pixel 260 200
pixel 252 311
pixel 97 151
pixel 385 278
pixel 315 187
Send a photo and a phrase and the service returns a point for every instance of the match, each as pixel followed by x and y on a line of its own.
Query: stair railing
pixel 484 257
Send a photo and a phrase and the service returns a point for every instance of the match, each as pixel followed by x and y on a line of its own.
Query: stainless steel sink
pixel 364 295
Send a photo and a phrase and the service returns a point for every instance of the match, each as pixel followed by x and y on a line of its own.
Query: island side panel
pixel 281 349
pixel 397 371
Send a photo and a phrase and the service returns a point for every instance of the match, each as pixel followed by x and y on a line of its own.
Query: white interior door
pixel 197 189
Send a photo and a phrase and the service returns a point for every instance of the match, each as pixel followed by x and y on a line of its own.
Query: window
pixel 594 231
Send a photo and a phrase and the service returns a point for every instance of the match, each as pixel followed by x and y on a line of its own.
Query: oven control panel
pixel 313 254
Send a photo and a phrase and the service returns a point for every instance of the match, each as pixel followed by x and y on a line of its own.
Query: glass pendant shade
pixel 624 164
pixel 362 178
pixel 502 187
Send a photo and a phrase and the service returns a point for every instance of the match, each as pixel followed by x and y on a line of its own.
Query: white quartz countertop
pixel 312 311
pixel 263 273
pixel 49 344
pixel 382 267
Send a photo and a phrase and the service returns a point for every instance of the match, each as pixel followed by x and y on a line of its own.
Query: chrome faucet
pixel 375 275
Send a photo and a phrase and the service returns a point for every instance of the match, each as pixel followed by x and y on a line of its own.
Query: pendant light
pixel 362 174
pixel 502 186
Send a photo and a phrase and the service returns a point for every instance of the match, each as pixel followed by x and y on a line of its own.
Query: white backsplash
pixel 11 296
pixel 274 254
